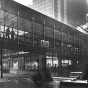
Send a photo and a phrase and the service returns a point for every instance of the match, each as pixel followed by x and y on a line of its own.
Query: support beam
pixel 54 38
pixel 44 31
pixel 18 27
pixel 38 65
pixel 1 62
pixel 33 31
pixel 45 61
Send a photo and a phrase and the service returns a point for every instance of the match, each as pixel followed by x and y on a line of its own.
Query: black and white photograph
pixel 43 43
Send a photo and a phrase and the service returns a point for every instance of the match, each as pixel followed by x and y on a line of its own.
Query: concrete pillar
pixel 21 63
pixel 40 61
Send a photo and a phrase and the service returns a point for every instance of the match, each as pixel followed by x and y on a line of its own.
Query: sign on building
pixel 44 43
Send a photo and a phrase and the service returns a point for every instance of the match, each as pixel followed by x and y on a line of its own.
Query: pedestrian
pixel 7 32
pixel 12 34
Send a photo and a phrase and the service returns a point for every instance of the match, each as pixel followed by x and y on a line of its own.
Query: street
pixel 25 83
pixel 23 80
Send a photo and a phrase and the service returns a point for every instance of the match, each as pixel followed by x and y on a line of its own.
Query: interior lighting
pixel 51 57
pixel 84 26
pixel 77 62
pixel 22 52
pixel 87 1
pixel 78 28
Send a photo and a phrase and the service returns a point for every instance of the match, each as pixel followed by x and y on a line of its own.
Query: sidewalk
pixel 29 74
pixel 18 74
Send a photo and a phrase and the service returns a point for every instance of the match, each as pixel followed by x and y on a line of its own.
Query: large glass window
pixel 66 62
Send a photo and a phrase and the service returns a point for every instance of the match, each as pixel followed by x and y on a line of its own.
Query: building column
pixel 60 63
pixel 33 31
pixel 53 43
pixel 40 62
pixel 44 52
pixel 44 61
pixel 0 18
pixel 24 62
pixel 1 62
pixel 68 46
pixel 18 27
pixel 1 48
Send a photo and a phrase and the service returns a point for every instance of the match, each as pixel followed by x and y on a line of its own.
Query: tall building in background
pixel 51 8
pixel 70 12
pixel 76 12
pixel 44 6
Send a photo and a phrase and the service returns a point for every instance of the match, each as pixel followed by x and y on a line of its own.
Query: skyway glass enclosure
pixel 38 38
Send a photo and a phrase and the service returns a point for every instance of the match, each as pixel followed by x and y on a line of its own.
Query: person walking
pixel 12 34
pixel 7 32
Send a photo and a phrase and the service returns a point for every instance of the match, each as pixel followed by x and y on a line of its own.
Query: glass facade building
pixel 70 12
pixel 44 6
pixel 57 47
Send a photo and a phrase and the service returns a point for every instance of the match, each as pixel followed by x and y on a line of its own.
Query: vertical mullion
pixel 44 31
pixel 54 38
pixel 24 33
pixel 24 62
pixel 0 19
pixel 12 59
pixel 68 48
pixel 4 22
pixel 83 46
pixel 79 44
pixel 44 48
pixel 78 49
pixel 62 39
pixel 53 43
pixel 32 31
pixel 61 45
pixel 68 41
pixel 1 61
pixel 17 26
pixel 74 42
pixel 52 57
